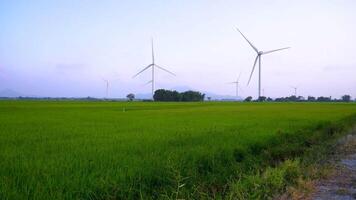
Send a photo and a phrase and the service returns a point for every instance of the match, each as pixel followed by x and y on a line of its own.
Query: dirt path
pixel 342 184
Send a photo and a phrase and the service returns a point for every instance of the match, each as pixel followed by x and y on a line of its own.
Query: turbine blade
pixel 150 65
pixel 240 89
pixel 148 82
pixel 153 54
pixel 165 70
pixel 254 48
pixel 238 78
pixel 266 52
pixel 253 69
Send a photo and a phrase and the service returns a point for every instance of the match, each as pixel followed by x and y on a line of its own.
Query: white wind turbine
pixel 152 65
pixel 107 83
pixel 237 85
pixel 258 57
pixel 295 90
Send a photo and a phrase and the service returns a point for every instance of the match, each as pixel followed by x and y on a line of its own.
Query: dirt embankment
pixel 341 184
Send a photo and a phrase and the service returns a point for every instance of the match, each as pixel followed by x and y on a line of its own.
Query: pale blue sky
pixel 65 47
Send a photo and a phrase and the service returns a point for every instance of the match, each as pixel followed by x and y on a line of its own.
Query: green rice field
pixel 149 150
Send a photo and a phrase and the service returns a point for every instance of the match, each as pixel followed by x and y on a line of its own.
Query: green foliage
pixel 346 98
pixel 248 99
pixel 130 96
pixel 192 96
pixel 168 95
pixel 94 150
pixel 262 98
pixel 266 185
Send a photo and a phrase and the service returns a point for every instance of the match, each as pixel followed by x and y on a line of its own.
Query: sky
pixel 66 48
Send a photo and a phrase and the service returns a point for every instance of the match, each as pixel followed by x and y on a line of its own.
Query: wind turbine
pixel 107 83
pixel 295 90
pixel 153 65
pixel 258 57
pixel 107 87
pixel 237 85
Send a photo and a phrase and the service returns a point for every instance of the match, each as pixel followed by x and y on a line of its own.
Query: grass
pixel 132 150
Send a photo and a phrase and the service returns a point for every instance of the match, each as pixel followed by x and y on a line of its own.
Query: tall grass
pixel 99 150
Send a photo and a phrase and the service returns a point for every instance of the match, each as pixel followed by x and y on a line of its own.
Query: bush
pixel 266 185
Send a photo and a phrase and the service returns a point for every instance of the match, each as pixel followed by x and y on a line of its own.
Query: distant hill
pixel 222 97
pixel 143 96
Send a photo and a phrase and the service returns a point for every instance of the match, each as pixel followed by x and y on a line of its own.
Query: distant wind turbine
pixel 107 87
pixel 237 85
pixel 258 57
pixel 295 90
pixel 152 65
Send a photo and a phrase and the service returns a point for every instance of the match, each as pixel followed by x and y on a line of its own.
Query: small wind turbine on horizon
pixel 237 85
pixel 153 65
pixel 295 90
pixel 107 87
pixel 258 57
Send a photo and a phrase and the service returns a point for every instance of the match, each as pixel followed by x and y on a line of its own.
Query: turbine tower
pixel 153 65
pixel 237 85
pixel 258 57
pixel 295 90
pixel 107 87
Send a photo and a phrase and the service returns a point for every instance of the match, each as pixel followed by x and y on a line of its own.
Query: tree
pixel 293 98
pixel 192 96
pixel 301 98
pixel 323 99
pixel 248 99
pixel 160 95
pixel 262 98
pixel 209 98
pixel 311 98
pixel 346 98
pixel 168 95
pixel 130 96
pixel 175 96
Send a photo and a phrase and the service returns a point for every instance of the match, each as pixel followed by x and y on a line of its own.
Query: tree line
pixel 172 95
pixel 344 98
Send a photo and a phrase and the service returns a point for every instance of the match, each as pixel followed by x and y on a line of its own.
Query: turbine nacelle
pixel 260 52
